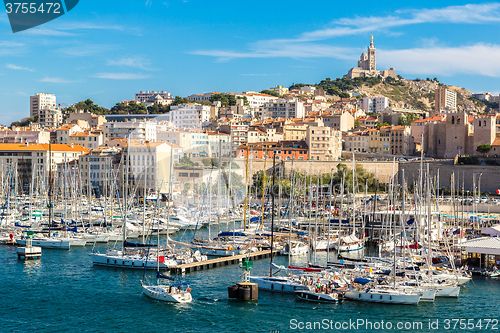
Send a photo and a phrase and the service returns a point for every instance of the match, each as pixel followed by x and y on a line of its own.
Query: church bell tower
pixel 371 57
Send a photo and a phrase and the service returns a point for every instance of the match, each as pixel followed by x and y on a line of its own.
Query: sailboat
pixel 48 242
pixel 136 258
pixel 368 290
pixel 351 242
pixel 176 293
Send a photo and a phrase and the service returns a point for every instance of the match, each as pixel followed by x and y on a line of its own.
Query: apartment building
pixel 39 158
pixel 136 129
pixel 25 135
pixel 194 143
pixel 282 108
pixel 220 144
pixel 64 132
pixel 202 97
pixel 374 104
pixel 146 95
pixel 401 141
pixel 294 131
pixel 279 89
pixel 92 120
pixel 88 139
pixel 338 120
pixel 41 101
pixel 189 116
pixel 238 132
pixel 380 140
pixel 284 150
pixel 323 143
pixel 445 101
pixel 255 99
pixel 357 142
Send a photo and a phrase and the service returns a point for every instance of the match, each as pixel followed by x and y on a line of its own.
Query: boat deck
pixel 218 262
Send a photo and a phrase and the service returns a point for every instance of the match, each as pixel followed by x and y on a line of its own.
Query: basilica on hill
pixel 367 66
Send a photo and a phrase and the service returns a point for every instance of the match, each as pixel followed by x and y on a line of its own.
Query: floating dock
pixel 218 262
pixel 27 253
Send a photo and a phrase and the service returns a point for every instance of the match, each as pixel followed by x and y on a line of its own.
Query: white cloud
pixel 56 80
pixel 19 68
pixel 257 74
pixel 8 48
pixel 85 50
pixel 306 45
pixel 121 76
pixel 46 32
pixel 468 14
pixel 292 50
pixel 476 59
pixel 134 61
pixel 11 44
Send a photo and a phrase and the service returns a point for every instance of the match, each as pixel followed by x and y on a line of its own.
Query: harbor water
pixel 64 292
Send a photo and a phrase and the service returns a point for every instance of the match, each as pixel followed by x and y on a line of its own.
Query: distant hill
pixel 402 93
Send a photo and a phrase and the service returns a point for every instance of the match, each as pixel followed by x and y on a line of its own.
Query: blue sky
pixel 108 50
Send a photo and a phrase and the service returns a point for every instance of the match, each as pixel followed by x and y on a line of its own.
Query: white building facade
pixel 138 130
pixel 374 104
pixel 281 108
pixel 189 116
pixel 145 95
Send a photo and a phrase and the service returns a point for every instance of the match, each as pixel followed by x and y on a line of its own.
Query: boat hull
pixel 46 244
pixel 134 262
pixel 349 248
pixel 279 285
pixel 164 294
pixel 448 291
pixel 407 299
pixel 319 297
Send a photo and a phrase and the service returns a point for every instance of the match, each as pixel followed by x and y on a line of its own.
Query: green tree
pixel 357 123
pixel 270 92
pixel 187 187
pixel 87 106
pixel 484 148
pixel 180 100
pixel 225 99
pixel 25 122
pixel 210 162
pixel 378 124
pixel 186 163
pixel 158 109
pixel 128 108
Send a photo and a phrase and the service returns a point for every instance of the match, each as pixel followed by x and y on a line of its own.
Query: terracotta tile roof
pixel 41 147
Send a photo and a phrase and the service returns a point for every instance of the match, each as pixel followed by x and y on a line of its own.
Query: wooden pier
pixel 218 262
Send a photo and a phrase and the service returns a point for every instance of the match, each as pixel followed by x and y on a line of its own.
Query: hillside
pixel 419 94
pixel 402 93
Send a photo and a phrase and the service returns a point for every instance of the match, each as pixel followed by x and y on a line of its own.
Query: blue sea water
pixel 63 292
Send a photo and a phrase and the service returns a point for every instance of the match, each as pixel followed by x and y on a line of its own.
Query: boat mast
pixel 316 234
pixel 263 189
pixel 171 195
pixel 246 194
pixel 127 161
pixel 353 194
pixel 329 216
pixel 290 214
pixel 50 188
pixel 429 223
pixel 272 215
pixel 144 206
